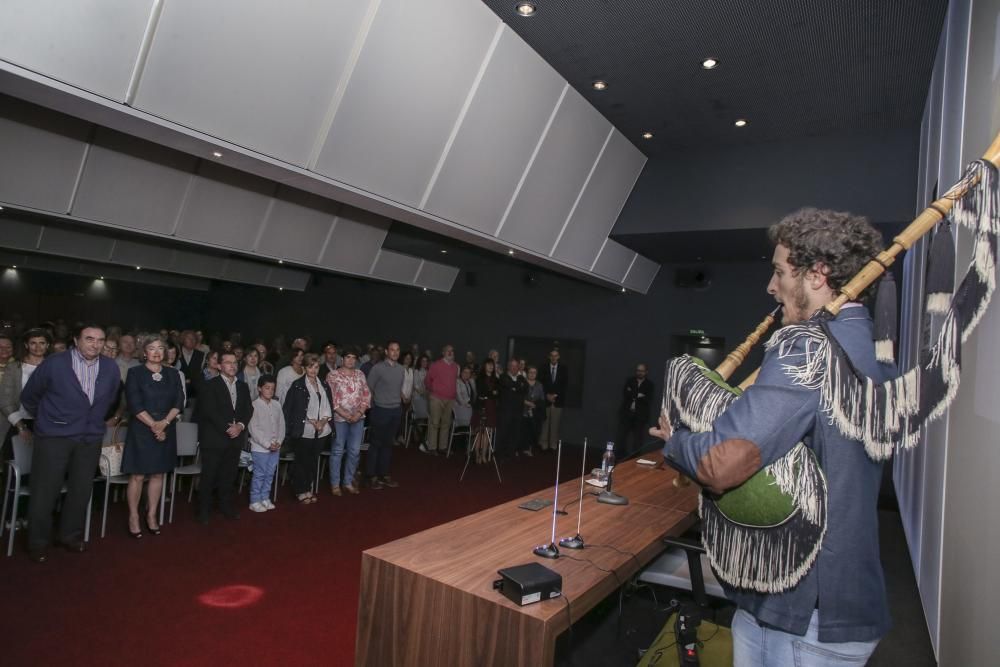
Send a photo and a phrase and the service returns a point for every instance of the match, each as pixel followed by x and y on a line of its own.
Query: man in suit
pixel 633 417
pixel 224 410
pixel 190 362
pixel 554 381
pixel 510 409
pixel 71 395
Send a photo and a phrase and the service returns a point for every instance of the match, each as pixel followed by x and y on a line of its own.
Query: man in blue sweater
pixel 838 611
pixel 71 395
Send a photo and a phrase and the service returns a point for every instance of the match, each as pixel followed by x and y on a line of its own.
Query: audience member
pixel 290 373
pixel 554 381
pixel 465 394
pixel 10 394
pixel 374 357
pixel 224 410
pixel 419 408
pixel 634 414
pixel 440 384
pixel 155 397
pixel 487 391
pixel 190 362
pixel 110 349
pixel 126 354
pixel 331 360
pixel 534 409
pixel 351 399
pixel 213 366
pixel 386 383
pixel 59 345
pixel 36 346
pixel 510 404
pixel 264 361
pixel 267 432
pixel 251 373
pixel 308 407
pixel 70 396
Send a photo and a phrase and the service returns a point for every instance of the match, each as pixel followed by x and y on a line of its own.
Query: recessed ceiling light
pixel 709 63
pixel 138 268
pixel 510 252
pixel 444 252
pixel 623 290
pixel 216 154
pixel 281 289
pixel 526 8
pixel 740 123
pixel 100 277
pixel 281 261
pixel 647 135
pixel 1 209
pixel 425 289
pixel 599 85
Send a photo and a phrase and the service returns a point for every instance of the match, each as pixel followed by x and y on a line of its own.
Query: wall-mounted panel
pixel 90 44
pixel 499 133
pixel 62 265
pixel 556 176
pixel 242 271
pixel 225 207
pixel 71 243
pixel 258 74
pixel 601 202
pixel 146 255
pixel 395 267
pixel 18 234
pixel 405 94
pixel 614 261
pixel 133 183
pixel 40 155
pixel 436 276
pixel 640 276
pixel 356 239
pixel 297 226
pixel 287 278
pixel 195 264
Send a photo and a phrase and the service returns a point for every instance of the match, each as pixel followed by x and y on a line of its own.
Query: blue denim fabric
pixel 264 464
pixel 755 645
pixel 349 436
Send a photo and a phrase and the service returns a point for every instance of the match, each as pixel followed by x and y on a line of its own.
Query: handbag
pixel 111 455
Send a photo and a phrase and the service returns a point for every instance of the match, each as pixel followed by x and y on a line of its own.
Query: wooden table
pixel 428 599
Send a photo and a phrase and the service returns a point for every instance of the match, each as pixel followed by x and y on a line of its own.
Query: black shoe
pixel 389 482
pixel 38 555
pixel 77 546
pixel 137 535
pixel 152 531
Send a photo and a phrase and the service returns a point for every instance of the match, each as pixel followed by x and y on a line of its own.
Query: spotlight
pixel 281 261
pixel 444 252
pixel 216 154
pixel 510 252
pixel 709 63
pixel 425 289
pixel 647 135
pixel 623 290
pixel 138 268
pixel 525 9
pixel 740 123
pixel 599 85
pixel 281 289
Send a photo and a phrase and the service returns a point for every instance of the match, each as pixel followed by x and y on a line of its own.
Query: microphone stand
pixel 551 550
pixel 576 542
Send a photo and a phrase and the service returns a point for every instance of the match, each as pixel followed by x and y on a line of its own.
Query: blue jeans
pixel 349 436
pixel 758 646
pixel 264 464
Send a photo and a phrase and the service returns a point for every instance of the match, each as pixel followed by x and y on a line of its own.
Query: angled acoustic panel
pixel 242 271
pixel 505 120
pixel 196 264
pixel 404 95
pixel 225 207
pixel 557 175
pixel 133 183
pixel 73 267
pixel 614 261
pixel 640 276
pixel 40 155
pixel 438 277
pixel 92 44
pixel 72 243
pixel 287 278
pixel 297 226
pixel 19 234
pixel 146 255
pixel 356 238
pixel 601 202
pixel 396 267
pixel 259 74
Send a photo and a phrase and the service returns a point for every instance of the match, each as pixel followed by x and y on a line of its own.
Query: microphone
pixel 577 541
pixel 550 550
pixel 607 496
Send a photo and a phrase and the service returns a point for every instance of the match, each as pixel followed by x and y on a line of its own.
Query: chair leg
pixel 90 507
pixel 274 484
pixel 6 496
pixel 104 511
pixel 13 518
pixel 173 496
pixel 163 495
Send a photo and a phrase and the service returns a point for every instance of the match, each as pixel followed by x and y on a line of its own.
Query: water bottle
pixel 608 463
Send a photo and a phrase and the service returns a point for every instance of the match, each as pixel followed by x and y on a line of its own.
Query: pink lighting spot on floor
pixel 231 597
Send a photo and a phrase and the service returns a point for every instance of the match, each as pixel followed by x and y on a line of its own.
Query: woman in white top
pixel 36 346
pixel 308 408
pixel 267 432
pixel 406 393
pixel 290 373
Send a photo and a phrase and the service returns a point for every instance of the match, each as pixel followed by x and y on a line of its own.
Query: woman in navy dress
pixel 155 396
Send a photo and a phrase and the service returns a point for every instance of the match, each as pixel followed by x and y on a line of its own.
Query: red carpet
pixel 273 588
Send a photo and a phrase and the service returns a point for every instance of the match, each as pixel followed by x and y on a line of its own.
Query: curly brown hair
pixel 842 243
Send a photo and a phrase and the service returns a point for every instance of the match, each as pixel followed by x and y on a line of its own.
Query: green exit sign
pixel 696 332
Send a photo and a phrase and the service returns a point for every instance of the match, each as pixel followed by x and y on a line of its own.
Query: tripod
pixel 482 444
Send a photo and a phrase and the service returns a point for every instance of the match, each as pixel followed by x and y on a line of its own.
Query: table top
pixel 466 553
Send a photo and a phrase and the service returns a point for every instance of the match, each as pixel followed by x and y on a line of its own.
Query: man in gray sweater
pixel 386 383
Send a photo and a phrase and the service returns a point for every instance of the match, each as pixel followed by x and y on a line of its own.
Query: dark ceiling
pixel 792 68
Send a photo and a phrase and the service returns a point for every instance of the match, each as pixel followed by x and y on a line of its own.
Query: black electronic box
pixel 529 583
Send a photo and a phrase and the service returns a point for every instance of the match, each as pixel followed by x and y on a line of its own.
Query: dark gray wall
pixel 619 329
pixel 740 187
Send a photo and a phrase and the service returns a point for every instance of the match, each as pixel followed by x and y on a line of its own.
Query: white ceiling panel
pixel 405 94
pixel 356 239
pixel 40 155
pixel 225 207
pixel 601 202
pixel 499 133
pixel 297 226
pixel 557 174
pixel 92 44
pixel 19 234
pixel 614 261
pixel 395 267
pixel 436 276
pixel 72 243
pixel 133 183
pixel 259 74
pixel 640 276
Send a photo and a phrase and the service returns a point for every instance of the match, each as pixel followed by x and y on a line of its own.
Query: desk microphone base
pixel 571 542
pixel 547 551
pixel 609 498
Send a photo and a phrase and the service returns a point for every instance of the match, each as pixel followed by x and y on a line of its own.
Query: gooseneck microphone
pixel 576 542
pixel 550 550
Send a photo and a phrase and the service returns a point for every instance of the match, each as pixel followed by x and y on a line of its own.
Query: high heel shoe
pixel 137 535
pixel 153 531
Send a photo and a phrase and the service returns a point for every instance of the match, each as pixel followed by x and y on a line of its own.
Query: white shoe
pixel 258 507
pixel 268 505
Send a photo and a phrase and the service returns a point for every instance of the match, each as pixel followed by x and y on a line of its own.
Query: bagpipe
pixel 766 534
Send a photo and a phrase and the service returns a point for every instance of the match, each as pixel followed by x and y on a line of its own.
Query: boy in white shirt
pixel 267 431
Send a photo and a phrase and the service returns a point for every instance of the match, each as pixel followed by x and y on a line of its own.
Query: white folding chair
pixel 19 467
pixel 187 445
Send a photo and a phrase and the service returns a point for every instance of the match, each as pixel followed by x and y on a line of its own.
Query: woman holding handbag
pixel 308 408
pixel 155 396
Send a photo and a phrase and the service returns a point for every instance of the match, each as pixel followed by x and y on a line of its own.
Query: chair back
pixel 114 434
pixel 187 439
pixel 462 415
pixel 22 454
